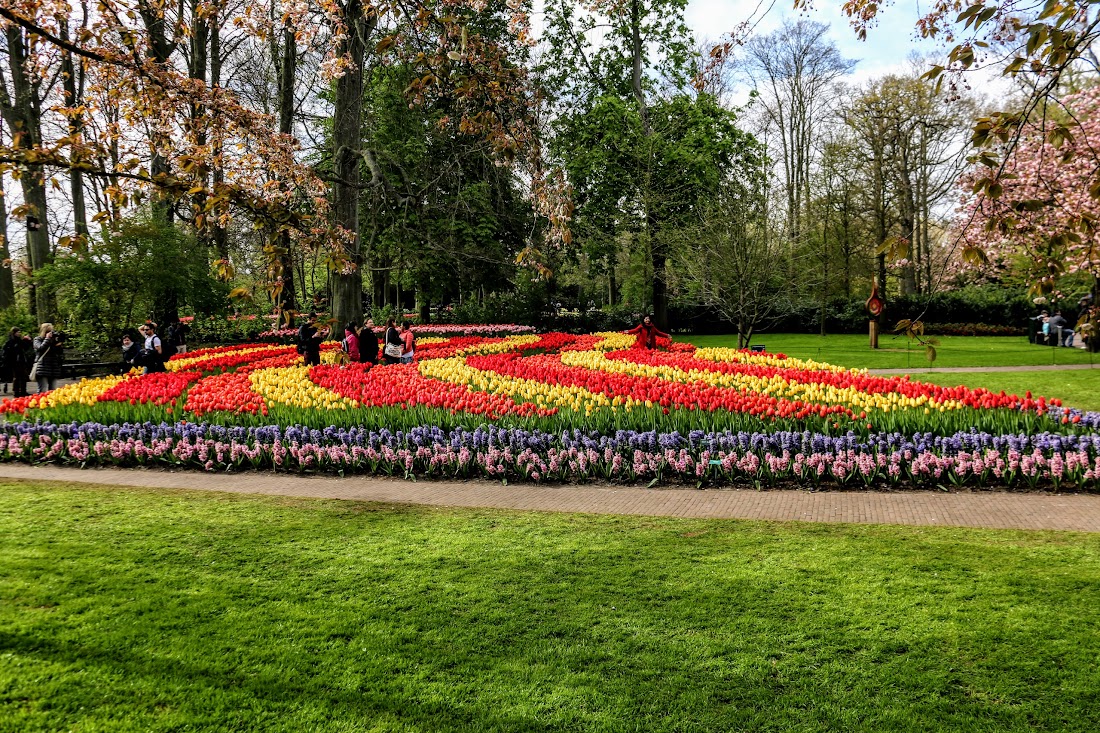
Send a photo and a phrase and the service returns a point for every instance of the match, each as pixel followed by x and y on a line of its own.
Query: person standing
pixel 49 355
pixel 17 361
pixel 394 344
pixel 152 355
pixel 350 344
pixel 408 345
pixel 647 333
pixel 368 343
pixel 131 353
pixel 6 373
pixel 309 341
pixel 176 338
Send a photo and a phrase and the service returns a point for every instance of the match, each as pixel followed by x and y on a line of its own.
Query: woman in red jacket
pixel 647 334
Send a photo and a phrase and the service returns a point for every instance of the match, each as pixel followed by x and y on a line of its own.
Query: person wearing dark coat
pixel 131 353
pixel 6 373
pixel 309 341
pixel 49 355
pixel 17 360
pixel 393 343
pixel 368 343
pixel 647 333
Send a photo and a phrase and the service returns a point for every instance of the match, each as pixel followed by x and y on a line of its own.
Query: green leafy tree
pixel 638 54
pixel 441 217
pixel 128 275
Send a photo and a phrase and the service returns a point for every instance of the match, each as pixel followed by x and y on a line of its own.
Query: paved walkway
pixel 990 510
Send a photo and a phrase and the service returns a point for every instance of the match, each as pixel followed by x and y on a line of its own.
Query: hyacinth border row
pixel 1045 461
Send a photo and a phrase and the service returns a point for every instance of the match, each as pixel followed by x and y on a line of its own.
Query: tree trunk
pixel 220 238
pixel 612 285
pixel 425 310
pixel 658 252
pixel 73 85
pixel 347 287
pixel 285 299
pixel 23 113
pixel 7 283
pixel 160 50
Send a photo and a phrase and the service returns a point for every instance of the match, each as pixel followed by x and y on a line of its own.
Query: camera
pixel 60 336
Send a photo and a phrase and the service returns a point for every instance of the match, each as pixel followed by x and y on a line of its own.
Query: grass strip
pixel 128 610
pixel 1076 388
pixel 896 352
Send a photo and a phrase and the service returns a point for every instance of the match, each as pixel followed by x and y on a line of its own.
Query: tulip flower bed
pixel 558 407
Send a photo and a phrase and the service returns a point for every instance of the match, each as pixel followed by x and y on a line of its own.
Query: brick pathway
pixel 991 510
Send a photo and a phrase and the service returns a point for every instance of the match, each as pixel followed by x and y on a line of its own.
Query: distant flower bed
pixel 972 329
pixel 431 329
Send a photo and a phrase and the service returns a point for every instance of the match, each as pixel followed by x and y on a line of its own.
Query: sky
pixel 886 49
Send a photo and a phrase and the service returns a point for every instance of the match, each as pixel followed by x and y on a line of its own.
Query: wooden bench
pixel 78 369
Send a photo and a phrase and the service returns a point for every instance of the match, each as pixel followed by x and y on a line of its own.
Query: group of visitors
pixel 149 351
pixel 38 359
pixel 360 344
pixel 398 346
pixel 1055 330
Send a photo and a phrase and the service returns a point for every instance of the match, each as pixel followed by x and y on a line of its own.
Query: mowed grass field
pixel 896 352
pixel 1077 388
pixel 133 610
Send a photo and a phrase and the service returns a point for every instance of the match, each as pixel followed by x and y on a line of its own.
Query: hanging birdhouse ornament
pixel 875 304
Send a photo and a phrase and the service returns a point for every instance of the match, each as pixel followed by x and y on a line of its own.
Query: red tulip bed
pixel 558 407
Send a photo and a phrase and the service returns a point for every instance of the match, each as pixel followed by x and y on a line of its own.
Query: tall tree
pixel 918 146
pixel 7 283
pixel 72 77
pixel 795 70
pixel 645 43
pixel 347 133
pixel 730 259
pixel 284 50
pixel 22 110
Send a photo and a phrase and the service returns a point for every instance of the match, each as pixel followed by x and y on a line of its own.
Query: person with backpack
pixel 152 355
pixel 394 344
pixel 350 344
pixel 309 341
pixel 17 361
pixel 368 343
pixel 408 346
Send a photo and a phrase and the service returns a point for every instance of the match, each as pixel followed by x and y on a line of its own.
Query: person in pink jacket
pixel 350 343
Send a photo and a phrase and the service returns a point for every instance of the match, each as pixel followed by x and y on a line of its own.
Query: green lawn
pixel 1077 388
pixel 125 610
pixel 895 352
